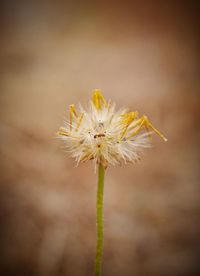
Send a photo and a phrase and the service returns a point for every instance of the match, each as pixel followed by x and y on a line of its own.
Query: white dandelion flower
pixel 104 134
pixel 107 136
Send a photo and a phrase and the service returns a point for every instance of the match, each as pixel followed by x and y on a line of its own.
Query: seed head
pixel 106 135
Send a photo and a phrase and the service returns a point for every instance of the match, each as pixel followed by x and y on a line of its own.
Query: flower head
pixel 104 134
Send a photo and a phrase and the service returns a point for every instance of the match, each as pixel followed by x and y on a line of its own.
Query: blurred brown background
pixel 143 54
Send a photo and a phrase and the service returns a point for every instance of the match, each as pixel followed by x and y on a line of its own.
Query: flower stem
pixel 99 214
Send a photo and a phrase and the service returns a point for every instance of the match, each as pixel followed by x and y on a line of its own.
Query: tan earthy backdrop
pixel 142 54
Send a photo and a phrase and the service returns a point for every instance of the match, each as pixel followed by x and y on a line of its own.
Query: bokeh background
pixel 142 54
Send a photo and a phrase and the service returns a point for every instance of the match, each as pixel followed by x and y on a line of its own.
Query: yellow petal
pixel 98 99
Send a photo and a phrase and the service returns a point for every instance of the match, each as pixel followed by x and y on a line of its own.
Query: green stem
pixel 99 214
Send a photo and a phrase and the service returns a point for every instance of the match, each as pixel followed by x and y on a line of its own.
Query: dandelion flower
pixel 107 136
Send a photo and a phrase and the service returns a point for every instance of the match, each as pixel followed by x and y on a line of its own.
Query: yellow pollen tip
pixel 128 118
pixel 144 121
pixel 72 112
pixel 62 132
pixel 79 122
pixel 98 99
